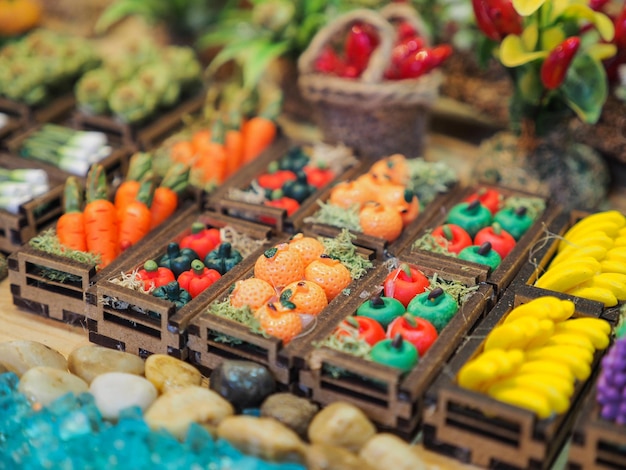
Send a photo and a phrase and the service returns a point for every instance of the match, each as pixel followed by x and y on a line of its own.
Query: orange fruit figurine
pixel 308 247
pixel 348 194
pixel 402 199
pixel 308 297
pixel 279 266
pixel 253 292
pixel 394 167
pixel 330 274
pixel 279 320
pixel 381 221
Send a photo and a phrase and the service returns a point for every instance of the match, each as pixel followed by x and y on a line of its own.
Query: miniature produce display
pixel 484 227
pixel 292 283
pixel 138 82
pixel 68 149
pixel 397 326
pixel 21 185
pixel 36 67
pixel 589 261
pixel 387 198
pixel 610 391
pixel 536 356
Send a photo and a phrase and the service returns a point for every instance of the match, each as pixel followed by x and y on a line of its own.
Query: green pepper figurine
pixel 223 258
pixel 396 353
pixel 436 306
pixel 174 293
pixel 177 259
pixel 516 221
pixel 483 254
pixel 472 216
pixel 382 309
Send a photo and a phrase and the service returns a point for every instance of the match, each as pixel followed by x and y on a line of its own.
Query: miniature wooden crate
pixel 55 110
pixel 207 350
pixel 391 399
pixel 541 255
pixel 273 216
pixel 596 444
pixel 474 428
pixel 504 274
pixel 142 324
pixel 13 125
pixel 54 286
pixel 382 247
pixel 144 136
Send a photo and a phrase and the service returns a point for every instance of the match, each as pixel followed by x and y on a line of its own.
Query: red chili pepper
pixel 328 61
pixel 620 29
pixel 404 283
pixel 501 241
pixel 416 330
pixel 497 18
pixel 416 64
pixel 455 237
pixel 402 49
pixel 276 179
pixel 202 240
pixel 554 67
pixel 290 205
pixel 597 5
pixel 368 329
pixel 439 54
pixel 198 278
pixel 154 275
pixel 318 175
pixel 360 43
pixel 406 30
pixel 488 197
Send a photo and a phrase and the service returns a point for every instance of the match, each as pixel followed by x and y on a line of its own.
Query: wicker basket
pixel 374 116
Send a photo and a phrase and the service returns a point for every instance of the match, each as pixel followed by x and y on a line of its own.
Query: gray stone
pixel 294 412
pixel 243 383
pixel 341 424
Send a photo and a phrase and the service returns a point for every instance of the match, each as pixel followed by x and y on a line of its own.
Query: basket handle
pixel 378 60
pixel 403 11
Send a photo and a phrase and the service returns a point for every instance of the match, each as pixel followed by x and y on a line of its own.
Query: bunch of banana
pixel 533 358
pixel 591 260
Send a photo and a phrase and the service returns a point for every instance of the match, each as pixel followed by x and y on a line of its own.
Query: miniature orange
pixel 402 199
pixel 307 296
pixel 380 221
pixel 393 167
pixel 308 247
pixel 279 321
pixel 253 292
pixel 330 274
pixel 348 194
pixel 279 266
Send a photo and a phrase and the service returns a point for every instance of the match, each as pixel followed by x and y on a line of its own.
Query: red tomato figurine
pixel 418 331
pixel 318 175
pixel 501 241
pixel 490 198
pixel 368 329
pixel 202 240
pixel 198 278
pixel 404 283
pixel 452 237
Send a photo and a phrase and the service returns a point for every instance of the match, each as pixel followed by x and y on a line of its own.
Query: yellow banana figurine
pixel 523 398
pixel 599 294
pixel 577 359
pixel 547 366
pixel 596 329
pixel 568 274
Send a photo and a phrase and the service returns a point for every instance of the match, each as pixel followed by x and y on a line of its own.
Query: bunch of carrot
pixel 107 228
pixel 230 140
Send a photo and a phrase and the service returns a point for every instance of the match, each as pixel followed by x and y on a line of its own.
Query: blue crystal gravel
pixel 70 434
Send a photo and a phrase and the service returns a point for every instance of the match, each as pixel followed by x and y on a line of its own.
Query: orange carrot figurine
pixel 165 199
pixel 101 226
pixel 71 225
pixel 260 131
pixel 140 164
pixel 135 219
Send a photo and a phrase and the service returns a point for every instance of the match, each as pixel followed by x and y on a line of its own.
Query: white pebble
pixel 45 384
pixel 116 391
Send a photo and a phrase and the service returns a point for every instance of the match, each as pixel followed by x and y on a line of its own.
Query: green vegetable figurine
pixel 396 353
pixel 436 306
pixel 515 221
pixel 223 258
pixel 472 216
pixel 177 259
pixel 382 309
pixel 482 254
pixel 174 293
pixel 298 189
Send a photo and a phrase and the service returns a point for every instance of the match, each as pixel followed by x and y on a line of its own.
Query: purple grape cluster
pixel 611 394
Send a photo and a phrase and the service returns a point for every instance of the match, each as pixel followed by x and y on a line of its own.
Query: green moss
pixel 428 179
pixel 243 315
pixel 342 248
pixel 534 205
pixel 331 214
pixel 428 242
pixel 48 242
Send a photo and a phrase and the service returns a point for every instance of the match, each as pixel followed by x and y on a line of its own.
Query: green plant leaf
pixel 233 51
pixel 258 59
pixel 527 7
pixel 585 88
pixel 121 10
pixel 514 54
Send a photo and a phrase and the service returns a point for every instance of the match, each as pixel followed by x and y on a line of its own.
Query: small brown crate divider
pixel 381 246
pixel 504 274
pixel 474 428
pixel 56 110
pixel 146 135
pixel 391 399
pixel 276 217
pixel 54 286
pixel 34 215
pixel 541 255
pixel 596 444
pixel 206 333
pixel 13 124
pixel 142 324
